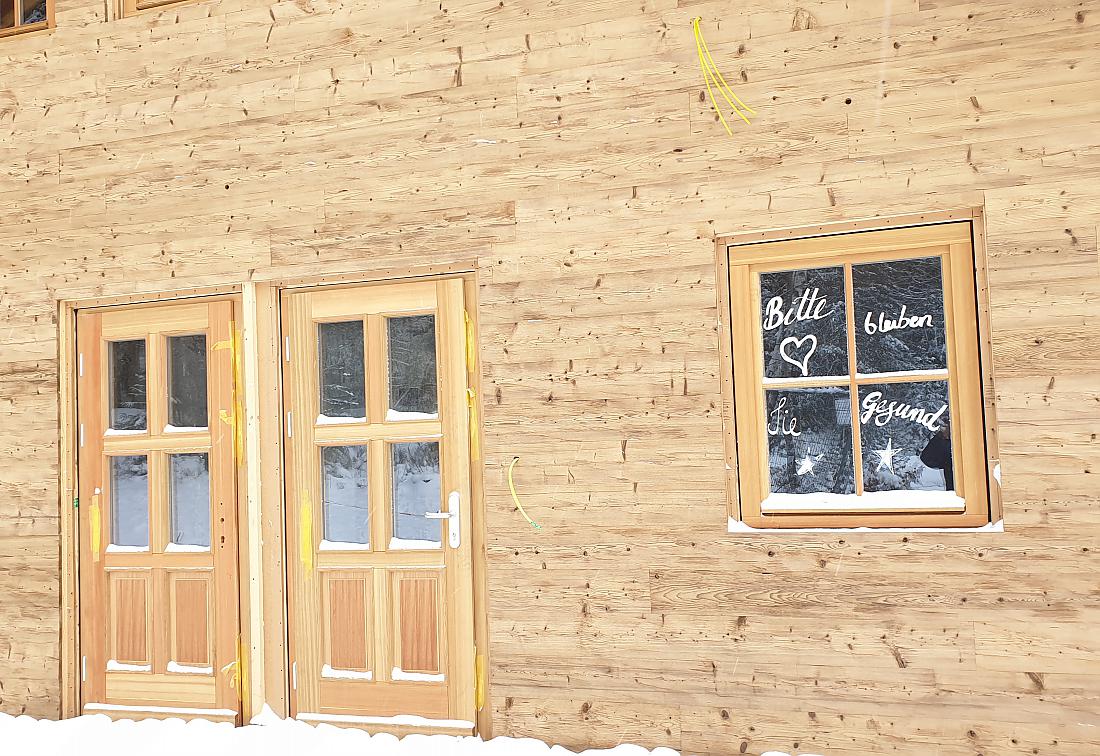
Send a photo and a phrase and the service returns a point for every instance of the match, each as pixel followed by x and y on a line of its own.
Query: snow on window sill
pixel 326 420
pixel 871 501
pixel 394 416
pixel 188 669
pixel 185 429
pixel 184 548
pixel 410 544
pixel 737 526
pixel 342 546
pixel 116 548
pixel 117 666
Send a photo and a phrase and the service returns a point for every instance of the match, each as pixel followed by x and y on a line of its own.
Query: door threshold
pixel 402 724
pixel 123 711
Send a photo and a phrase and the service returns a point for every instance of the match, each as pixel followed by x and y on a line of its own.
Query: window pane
pixel 127 366
pixel 804 323
pixel 343 372
pixel 187 381
pixel 189 498
pixel 345 502
pixel 905 432
pixel 412 366
pixel 7 14
pixel 416 490
pixel 810 441
pixel 130 501
pixel 899 316
pixel 33 11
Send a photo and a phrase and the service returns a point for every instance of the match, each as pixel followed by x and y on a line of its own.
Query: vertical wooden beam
pixel 67 360
pixel 478 534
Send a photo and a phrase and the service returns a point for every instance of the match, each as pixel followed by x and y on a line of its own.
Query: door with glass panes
pixel 157 508
pixel 378 503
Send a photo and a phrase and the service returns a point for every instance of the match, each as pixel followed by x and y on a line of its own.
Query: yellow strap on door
pixel 96 527
pixel 475 437
pixel 471 347
pixel 305 532
pixel 233 419
pixel 479 681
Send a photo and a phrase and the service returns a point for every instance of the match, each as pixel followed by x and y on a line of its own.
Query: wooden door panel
pixel 378 595
pixel 158 532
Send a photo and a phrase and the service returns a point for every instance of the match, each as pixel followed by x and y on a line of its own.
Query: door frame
pixel 261 507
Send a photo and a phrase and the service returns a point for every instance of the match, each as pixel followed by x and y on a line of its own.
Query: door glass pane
pixel 810 449
pixel 412 376
pixel 899 316
pixel 127 368
pixel 34 11
pixel 804 323
pixel 416 490
pixel 189 499
pixel 130 501
pixel 346 504
pixel 187 381
pixel 7 14
pixel 905 432
pixel 342 370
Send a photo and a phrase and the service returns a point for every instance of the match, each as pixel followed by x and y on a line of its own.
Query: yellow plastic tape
pixel 96 523
pixel 471 347
pixel 515 496
pixel 711 73
pixel 479 681
pixel 233 344
pixel 305 532
pixel 475 438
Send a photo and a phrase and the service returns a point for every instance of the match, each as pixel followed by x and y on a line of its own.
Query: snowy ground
pixel 97 735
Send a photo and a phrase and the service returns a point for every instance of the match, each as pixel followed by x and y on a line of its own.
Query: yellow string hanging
pixel 711 74
pixel 515 496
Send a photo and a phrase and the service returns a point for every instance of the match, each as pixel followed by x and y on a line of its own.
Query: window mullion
pixel 857 446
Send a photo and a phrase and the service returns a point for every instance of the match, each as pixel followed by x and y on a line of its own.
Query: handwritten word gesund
pixel 884 411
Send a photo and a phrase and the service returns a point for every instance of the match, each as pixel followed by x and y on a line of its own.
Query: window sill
pixel 28 29
pixel 739 527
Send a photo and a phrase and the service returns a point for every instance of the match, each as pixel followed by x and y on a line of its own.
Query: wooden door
pixel 378 504
pixel 158 531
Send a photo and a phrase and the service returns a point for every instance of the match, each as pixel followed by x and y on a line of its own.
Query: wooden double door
pixel 377 500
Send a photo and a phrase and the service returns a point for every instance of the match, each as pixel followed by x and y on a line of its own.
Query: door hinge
pixel 294 675
pixel 289 424
pixel 83 668
pixel 82 435
pixel 286 347
pixel 80 365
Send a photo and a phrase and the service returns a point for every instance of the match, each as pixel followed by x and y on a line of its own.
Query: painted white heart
pixel 804 363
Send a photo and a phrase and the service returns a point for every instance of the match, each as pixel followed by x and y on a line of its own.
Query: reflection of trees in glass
pixel 416 489
pixel 127 369
pixel 830 357
pixel 189 494
pixel 130 500
pixel 187 381
pixel 883 289
pixel 412 364
pixel 346 502
pixel 820 458
pixel 906 437
pixel 342 368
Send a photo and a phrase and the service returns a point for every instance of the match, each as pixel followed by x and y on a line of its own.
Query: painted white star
pixel 805 465
pixel 886 456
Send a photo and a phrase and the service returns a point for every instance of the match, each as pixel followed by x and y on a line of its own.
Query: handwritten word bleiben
pixel 885 324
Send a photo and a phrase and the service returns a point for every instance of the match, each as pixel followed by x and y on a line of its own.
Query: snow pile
pixel 98 735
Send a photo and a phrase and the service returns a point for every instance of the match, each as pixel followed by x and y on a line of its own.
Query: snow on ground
pixel 98 735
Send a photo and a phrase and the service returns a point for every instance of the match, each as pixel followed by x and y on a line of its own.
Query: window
pixel 17 16
pixel 857 382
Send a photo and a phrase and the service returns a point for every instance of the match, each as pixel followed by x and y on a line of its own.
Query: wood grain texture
pixel 566 153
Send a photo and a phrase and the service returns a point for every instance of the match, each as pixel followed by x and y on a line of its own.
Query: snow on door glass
pixel 905 436
pixel 346 502
pixel 189 501
pixel 130 502
pixel 415 492
pixel 899 310
pixel 412 373
pixel 803 323
pixel 810 441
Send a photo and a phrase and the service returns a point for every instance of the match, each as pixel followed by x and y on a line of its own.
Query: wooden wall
pixel 565 149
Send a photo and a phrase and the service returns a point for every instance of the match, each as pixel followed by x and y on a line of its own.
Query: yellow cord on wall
pixel 515 496
pixel 712 74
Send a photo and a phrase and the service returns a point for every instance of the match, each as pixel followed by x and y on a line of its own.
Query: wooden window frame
pixel 980 465
pixel 21 28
